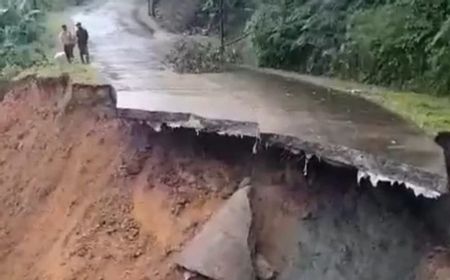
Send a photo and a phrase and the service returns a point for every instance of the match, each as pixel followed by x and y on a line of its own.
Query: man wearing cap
pixel 82 38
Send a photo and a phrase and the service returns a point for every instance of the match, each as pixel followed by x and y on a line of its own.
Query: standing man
pixel 67 41
pixel 82 38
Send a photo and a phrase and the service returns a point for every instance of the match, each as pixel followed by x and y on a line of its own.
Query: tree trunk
pixel 222 27
pixel 152 8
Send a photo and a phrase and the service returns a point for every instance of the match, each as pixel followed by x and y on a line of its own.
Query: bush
pixel 190 56
pixel 22 33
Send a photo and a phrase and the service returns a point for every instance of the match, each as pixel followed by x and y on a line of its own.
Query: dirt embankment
pixel 77 199
pixel 85 195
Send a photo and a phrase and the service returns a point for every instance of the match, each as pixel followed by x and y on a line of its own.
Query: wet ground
pixel 131 57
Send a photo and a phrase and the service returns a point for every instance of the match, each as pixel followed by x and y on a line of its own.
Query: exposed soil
pixel 81 199
pixel 87 196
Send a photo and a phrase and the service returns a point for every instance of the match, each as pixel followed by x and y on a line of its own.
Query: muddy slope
pixel 85 195
pixel 74 201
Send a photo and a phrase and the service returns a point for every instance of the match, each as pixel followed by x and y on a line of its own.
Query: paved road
pixel 130 57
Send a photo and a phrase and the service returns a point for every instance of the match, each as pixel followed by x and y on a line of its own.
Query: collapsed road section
pixel 370 167
pixel 156 195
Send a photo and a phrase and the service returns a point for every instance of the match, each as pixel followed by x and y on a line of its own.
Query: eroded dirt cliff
pixel 87 195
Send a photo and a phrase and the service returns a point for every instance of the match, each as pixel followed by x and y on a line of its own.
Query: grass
pixel 429 112
pixel 79 73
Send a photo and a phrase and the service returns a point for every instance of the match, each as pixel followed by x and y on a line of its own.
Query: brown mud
pixel 78 202
pixel 86 195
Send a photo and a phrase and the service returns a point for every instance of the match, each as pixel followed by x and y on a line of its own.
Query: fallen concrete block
pixel 221 250
pixel 264 270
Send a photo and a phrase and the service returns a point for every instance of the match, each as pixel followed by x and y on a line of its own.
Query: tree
pixel 402 43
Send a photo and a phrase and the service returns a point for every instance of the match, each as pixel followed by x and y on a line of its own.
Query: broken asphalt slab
pixel 221 249
pixel 376 169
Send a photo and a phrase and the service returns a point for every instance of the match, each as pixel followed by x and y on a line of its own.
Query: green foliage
pixel 213 5
pixel 236 13
pixel 19 32
pixel 403 43
pixel 431 113
pixel 23 39
pixel 190 56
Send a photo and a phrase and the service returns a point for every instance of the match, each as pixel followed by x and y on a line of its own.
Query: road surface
pixel 130 57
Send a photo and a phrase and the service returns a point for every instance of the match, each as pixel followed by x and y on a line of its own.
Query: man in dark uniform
pixel 83 38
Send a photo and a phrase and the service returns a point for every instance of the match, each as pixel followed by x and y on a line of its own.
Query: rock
pixel 182 202
pixel 137 254
pixel 307 215
pixel 132 166
pixel 245 183
pixel 108 256
pixel 221 249
pixel 19 146
pixel 110 231
pixel 90 133
pixel 82 252
pixel 83 169
pixel 168 252
pixel 176 210
pixel 263 269
pixel 21 136
pixel 187 275
pixel 68 152
pixel 132 234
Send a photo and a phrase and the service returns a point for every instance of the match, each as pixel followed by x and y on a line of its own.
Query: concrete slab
pixel 221 250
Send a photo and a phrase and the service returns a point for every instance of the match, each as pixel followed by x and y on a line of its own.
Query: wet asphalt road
pixel 130 57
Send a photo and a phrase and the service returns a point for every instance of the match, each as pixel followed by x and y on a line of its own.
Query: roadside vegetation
pixel 399 43
pixel 429 112
pixel 193 56
pixel 28 38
